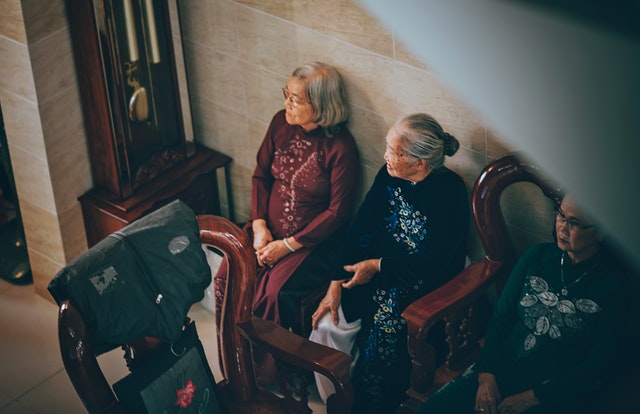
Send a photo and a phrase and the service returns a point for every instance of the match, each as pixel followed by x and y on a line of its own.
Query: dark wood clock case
pixel 134 92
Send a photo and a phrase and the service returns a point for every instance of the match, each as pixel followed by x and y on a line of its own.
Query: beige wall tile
pixel 22 124
pixel 15 70
pixel 263 90
pixel 241 181
pixel 274 43
pixel 32 178
pixel 42 231
pixel 74 163
pixel 211 24
pixel 496 146
pixel 404 55
pixel 63 124
pixel 348 21
pixel 11 22
pixel 420 91
pixel 74 239
pixel 368 77
pixel 43 269
pixel 369 130
pixel 296 11
pixel 52 64
pixel 43 18
pixel 218 77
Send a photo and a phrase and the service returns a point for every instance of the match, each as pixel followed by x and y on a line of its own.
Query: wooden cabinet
pixel 195 181
pixel 137 115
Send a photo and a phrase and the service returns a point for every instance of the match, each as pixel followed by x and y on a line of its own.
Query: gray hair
pixel 423 138
pixel 326 94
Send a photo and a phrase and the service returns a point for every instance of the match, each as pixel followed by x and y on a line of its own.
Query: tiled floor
pixel 32 377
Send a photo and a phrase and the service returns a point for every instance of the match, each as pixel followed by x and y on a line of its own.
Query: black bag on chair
pixel 175 378
pixel 139 281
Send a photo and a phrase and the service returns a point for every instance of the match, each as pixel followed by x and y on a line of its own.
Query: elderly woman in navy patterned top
pixel 555 329
pixel 408 238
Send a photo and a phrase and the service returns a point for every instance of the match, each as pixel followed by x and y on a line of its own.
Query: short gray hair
pixel 326 94
pixel 423 138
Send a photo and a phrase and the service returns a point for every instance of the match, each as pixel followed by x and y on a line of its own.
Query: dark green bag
pixel 139 281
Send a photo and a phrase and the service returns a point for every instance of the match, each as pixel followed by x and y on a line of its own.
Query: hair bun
pixel 451 144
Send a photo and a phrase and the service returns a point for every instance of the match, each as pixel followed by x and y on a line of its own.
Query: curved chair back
pixel 238 330
pixel 455 303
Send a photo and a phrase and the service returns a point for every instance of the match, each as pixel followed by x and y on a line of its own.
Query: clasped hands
pixel 268 250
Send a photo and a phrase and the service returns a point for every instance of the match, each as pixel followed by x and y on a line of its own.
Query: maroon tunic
pixel 303 186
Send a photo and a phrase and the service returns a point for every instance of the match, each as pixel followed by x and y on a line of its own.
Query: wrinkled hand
pixel 330 303
pixel 261 234
pixel 362 272
pixel 271 254
pixel 488 395
pixel 518 403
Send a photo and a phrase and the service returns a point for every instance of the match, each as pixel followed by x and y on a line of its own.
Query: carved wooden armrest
pixel 450 303
pixel 296 351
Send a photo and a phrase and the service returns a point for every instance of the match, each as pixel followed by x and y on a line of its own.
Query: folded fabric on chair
pixel 139 281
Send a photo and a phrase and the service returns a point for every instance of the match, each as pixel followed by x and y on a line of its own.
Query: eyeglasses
pixel 572 223
pixel 397 154
pixel 294 101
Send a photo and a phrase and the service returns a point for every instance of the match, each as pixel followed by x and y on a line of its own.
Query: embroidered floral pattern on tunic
pixel 406 225
pixel 293 167
pixel 548 315
pixel 383 346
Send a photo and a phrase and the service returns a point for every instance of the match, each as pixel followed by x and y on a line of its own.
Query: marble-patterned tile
pixel 257 131
pixel 15 69
pixel 273 43
pixel 241 180
pixel 215 76
pixel 369 130
pixel 43 18
pixel 211 24
pixel 32 178
pixel 16 407
pixel 42 231
pixel 420 91
pixel 368 77
pixel 22 124
pixel 63 124
pixel 350 22
pixel 11 21
pixel 43 269
pixel 75 163
pixel 405 55
pixel 29 349
pixel 263 90
pixel 53 65
pixel 54 395
pixel 296 11
pixel 74 239
pixel 497 146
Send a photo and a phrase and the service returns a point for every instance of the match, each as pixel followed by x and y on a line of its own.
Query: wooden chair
pixel 456 303
pixel 238 332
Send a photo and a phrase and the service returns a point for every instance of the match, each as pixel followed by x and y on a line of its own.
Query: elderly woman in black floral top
pixel 408 238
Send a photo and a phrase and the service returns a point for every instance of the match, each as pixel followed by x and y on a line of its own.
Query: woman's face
pixel 576 235
pixel 399 163
pixel 296 102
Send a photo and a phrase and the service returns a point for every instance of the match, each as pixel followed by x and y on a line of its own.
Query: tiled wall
pixel 239 54
pixel 43 121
